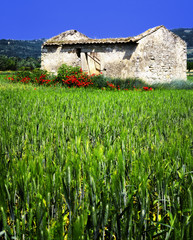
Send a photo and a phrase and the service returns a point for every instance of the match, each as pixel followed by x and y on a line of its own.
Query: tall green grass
pixel 92 164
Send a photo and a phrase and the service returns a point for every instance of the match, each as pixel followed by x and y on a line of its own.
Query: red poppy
pixel 145 88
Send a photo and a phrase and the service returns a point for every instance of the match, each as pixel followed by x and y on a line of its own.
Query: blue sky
pixel 34 19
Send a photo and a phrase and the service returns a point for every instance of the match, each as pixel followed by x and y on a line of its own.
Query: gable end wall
pixel 161 57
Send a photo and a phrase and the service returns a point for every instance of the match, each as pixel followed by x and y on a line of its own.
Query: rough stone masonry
pixel 155 56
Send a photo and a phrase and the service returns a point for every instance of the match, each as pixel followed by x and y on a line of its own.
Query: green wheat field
pixel 92 164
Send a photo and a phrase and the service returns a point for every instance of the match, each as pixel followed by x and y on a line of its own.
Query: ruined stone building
pixel 157 55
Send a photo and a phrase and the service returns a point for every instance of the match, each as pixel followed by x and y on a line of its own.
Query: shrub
pixel 73 76
pixel 74 81
pixel 65 71
pixel 22 74
pixel 41 77
pixel 99 81
pixel 35 76
pixel 119 84
pixel 128 83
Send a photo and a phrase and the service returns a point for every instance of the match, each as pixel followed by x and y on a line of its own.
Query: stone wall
pixel 53 57
pixel 158 57
pixel 114 59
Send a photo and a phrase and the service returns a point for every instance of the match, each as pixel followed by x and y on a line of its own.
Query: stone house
pixel 157 55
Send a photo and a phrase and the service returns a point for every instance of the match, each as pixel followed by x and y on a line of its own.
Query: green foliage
pixel 28 64
pixel 37 76
pixel 14 63
pixel 21 48
pixel 36 73
pixel 95 164
pixel 99 81
pixel 66 70
pixel 73 77
pixel 189 65
pixel 128 83
pixel 8 63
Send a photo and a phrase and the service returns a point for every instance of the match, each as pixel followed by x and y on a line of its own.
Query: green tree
pixel 189 65
pixel 15 63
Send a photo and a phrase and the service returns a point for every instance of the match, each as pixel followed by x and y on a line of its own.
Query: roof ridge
pixel 148 32
pixel 76 37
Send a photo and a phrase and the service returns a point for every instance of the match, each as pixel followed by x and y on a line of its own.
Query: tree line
pixel 17 63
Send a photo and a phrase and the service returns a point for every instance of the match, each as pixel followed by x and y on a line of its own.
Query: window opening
pixel 78 51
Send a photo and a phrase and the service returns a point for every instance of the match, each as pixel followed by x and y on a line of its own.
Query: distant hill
pixel 32 48
pixel 21 48
pixel 187 35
